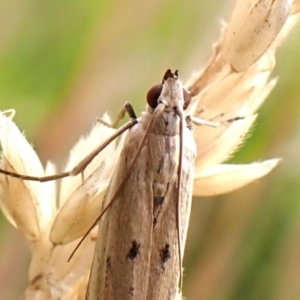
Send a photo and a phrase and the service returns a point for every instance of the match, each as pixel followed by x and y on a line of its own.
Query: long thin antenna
pixel 177 210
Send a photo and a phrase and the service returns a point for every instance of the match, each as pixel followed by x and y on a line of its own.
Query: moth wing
pixel 122 254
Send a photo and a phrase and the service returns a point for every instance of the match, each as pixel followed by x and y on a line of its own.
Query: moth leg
pixel 126 108
pixel 199 121
pixel 80 167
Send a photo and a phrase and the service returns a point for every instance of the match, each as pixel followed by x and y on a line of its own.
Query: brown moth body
pixel 137 254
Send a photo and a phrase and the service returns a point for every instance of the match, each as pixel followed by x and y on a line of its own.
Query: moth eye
pixel 153 94
pixel 187 97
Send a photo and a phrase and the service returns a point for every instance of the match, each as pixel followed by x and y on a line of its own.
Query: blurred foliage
pixel 63 63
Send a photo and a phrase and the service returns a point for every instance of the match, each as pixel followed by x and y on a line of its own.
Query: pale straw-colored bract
pixel 235 82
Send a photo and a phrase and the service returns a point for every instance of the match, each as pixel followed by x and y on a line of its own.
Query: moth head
pixel 170 92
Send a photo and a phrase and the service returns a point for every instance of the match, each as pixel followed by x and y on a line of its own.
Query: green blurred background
pixel 64 63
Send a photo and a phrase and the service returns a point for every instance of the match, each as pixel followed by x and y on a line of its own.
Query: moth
pixel 141 237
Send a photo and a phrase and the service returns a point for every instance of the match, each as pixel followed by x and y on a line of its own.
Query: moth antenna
pixel 83 238
pixel 157 111
pixel 181 117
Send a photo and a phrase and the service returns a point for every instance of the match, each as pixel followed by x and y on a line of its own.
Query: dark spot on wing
pixel 157 203
pixel 131 291
pixel 107 269
pixel 158 200
pixel 164 253
pixel 108 263
pixel 134 250
pixel 160 165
